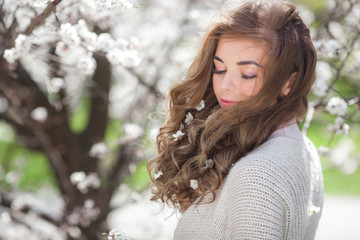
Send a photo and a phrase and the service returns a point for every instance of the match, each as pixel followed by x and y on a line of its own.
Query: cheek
pixel 216 87
pixel 249 88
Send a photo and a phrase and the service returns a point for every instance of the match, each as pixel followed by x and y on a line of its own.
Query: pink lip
pixel 227 103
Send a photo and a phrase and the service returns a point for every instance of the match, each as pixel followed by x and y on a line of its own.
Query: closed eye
pixel 247 76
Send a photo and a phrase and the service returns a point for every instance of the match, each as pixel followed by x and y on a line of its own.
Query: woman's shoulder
pixel 278 161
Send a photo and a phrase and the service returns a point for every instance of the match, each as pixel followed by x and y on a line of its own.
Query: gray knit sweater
pixel 274 192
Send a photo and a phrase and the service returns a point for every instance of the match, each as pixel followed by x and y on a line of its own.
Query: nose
pixel 227 82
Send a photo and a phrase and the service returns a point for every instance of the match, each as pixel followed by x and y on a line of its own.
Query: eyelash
pixel 242 75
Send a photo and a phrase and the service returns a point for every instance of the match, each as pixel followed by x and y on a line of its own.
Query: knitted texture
pixel 271 193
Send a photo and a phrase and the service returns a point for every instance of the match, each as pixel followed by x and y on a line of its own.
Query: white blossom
pixel 116 235
pixel 178 135
pixel 22 44
pixel 4 105
pixel 158 174
pixel 323 75
pixel 132 131
pixel 324 151
pixel 83 182
pixel 314 210
pixel 77 177
pixel 11 55
pixel 339 126
pixel 87 65
pixel 189 118
pixel 115 56
pixel 337 106
pixel 69 34
pixel 105 42
pixel 130 58
pixel 194 184
pixel 39 114
pixel 61 49
pixel 55 84
pixel 98 150
pixel 201 106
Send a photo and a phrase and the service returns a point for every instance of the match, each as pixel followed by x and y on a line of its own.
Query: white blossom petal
pixel 194 184
pixel 178 135
pixel 201 106
pixel 189 118
pixel 158 174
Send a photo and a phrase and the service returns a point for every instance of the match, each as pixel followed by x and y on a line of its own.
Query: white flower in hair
pixel 178 135
pixel 158 174
pixel 194 184
pixel 209 163
pixel 189 118
pixel 201 106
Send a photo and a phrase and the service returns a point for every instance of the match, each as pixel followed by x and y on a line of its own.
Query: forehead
pixel 242 49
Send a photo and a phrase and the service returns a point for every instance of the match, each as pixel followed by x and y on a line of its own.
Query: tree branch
pixel 39 19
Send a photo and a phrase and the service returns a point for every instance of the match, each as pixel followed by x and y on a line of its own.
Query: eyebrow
pixel 241 62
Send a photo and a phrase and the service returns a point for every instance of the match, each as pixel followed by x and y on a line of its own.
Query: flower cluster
pixel 98 150
pixel 83 215
pixel 22 46
pixel 337 106
pixel 339 126
pixel 83 182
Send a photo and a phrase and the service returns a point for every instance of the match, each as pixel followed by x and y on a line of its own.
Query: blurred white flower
pixel 337 106
pixel 323 75
pixel 22 44
pixel 201 105
pixel 189 118
pixel 87 65
pixel 178 135
pixel 39 114
pixel 54 85
pixel 132 131
pixel 4 105
pixel 327 48
pixel 98 150
pixel 324 151
pixel 130 58
pixel 158 174
pixel 93 180
pixel 341 156
pixel 74 232
pixel 194 184
pixel 61 49
pixel 339 126
pixel 77 177
pixel 83 182
pixel 336 29
pixel 115 56
pixel 69 35
pixel 11 55
pixel 5 217
pixel 105 42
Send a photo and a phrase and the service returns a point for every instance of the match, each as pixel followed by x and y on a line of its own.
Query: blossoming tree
pixel 61 54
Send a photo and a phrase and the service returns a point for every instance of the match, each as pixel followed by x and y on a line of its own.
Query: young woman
pixel 231 157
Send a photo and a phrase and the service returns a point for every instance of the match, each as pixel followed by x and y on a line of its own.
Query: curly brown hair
pixel 227 134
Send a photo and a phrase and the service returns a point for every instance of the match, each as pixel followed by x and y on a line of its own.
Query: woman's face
pixel 238 69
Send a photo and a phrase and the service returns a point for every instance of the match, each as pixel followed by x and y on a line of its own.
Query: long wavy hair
pixel 227 134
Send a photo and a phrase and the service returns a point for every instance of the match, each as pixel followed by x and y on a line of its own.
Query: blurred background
pixel 82 89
